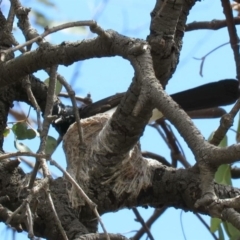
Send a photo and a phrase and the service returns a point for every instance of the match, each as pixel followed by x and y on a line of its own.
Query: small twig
pixel 30 221
pixel 29 154
pixel 140 219
pixel 204 57
pixel 206 225
pixel 23 22
pixel 19 209
pixel 225 124
pixel 164 137
pixel 156 126
pixel 234 39
pixel 69 178
pixel 71 94
pixel 175 147
pixel 10 18
pixel 29 163
pixel 6 213
pixel 101 222
pixel 27 85
pixel 90 203
pixel 181 222
pixel 172 142
pixel 157 213
pixel 49 197
pixel 49 106
pixel 9 28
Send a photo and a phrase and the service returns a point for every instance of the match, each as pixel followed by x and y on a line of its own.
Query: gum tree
pixel 106 170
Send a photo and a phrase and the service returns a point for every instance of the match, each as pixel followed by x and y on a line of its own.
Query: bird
pixel 214 94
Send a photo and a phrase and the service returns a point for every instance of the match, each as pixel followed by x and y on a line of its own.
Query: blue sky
pixel 106 76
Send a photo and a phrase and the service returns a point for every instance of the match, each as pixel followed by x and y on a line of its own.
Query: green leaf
pixel 40 18
pixel 220 233
pixel 223 175
pixel 51 145
pixel 58 86
pixel 224 142
pixel 6 131
pixel 233 233
pixel 20 130
pixel 21 147
pixel 47 3
pixel 211 136
pixel 30 134
pixel 215 223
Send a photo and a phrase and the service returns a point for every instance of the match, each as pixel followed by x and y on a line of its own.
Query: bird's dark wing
pixel 210 95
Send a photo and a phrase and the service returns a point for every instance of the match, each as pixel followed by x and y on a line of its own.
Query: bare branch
pixel 234 39
pixel 30 222
pixel 211 25
pixel 46 125
pixel 93 26
pixel 71 94
pixel 18 154
pixel 27 86
pixel 225 123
